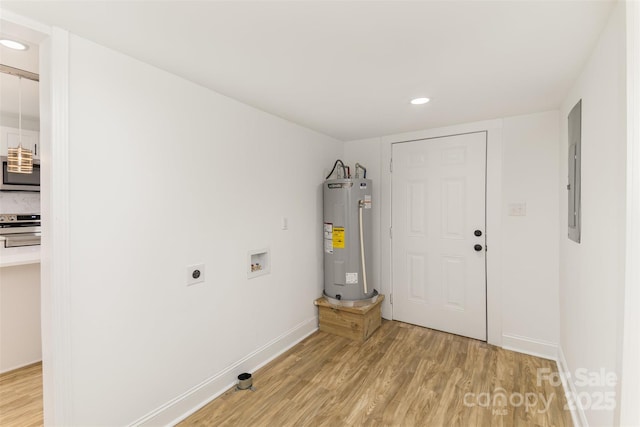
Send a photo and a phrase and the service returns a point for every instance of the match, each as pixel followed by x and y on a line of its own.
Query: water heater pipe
pixel 344 169
pixel 364 267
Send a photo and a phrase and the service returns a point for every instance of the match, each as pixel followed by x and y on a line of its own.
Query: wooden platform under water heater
pixel 356 323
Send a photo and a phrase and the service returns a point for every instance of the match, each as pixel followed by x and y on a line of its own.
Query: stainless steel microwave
pixel 20 181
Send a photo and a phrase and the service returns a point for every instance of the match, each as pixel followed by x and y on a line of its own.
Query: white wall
pixel 522 261
pixel 530 246
pixel 164 174
pixel 592 272
pixel 11 120
pixel 20 342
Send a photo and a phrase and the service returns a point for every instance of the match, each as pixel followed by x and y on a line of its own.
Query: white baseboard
pixel 533 347
pixel 189 402
pixel 554 352
pixel 578 416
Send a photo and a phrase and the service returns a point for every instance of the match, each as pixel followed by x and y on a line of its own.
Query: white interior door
pixel 438 210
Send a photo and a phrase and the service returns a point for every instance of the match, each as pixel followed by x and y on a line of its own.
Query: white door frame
pixel 54 260
pixel 493 218
pixel 628 412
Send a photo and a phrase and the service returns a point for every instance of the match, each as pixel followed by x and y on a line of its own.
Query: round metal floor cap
pixel 245 381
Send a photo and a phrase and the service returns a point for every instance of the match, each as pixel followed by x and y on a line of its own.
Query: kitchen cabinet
pixel 9 137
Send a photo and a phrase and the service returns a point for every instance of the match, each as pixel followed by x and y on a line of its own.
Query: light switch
pixel 518 209
pixel 284 223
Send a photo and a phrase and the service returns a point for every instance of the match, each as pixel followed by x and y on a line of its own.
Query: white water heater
pixel 347 238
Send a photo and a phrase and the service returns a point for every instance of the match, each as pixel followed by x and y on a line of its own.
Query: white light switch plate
pixel 517 209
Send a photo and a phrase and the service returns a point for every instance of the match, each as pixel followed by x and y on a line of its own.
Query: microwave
pixel 20 181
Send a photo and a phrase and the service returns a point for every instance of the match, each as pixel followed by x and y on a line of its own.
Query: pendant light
pixel 20 160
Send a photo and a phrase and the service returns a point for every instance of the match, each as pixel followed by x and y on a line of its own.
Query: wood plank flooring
pixel 21 397
pixel 403 375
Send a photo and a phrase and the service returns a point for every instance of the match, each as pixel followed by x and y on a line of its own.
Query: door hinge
pixel 391 232
pixel 391 165
pixel 391 299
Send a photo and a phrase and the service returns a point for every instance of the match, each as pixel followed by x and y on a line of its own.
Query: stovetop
pixel 19 218
pixel 18 230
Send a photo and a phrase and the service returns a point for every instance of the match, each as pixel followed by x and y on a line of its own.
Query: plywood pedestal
pixel 356 323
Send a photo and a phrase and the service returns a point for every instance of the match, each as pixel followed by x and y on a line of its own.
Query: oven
pixel 19 230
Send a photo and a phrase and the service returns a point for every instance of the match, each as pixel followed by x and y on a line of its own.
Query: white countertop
pixel 18 256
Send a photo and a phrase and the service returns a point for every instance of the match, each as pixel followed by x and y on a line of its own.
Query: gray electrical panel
pixel 574 158
pixel 345 202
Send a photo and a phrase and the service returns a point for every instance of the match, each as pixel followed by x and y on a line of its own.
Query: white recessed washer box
pixel 259 261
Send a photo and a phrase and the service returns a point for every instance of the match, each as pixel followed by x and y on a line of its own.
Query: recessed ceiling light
pixel 419 101
pixel 12 44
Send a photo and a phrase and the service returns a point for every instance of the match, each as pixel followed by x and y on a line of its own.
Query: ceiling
pixel 349 68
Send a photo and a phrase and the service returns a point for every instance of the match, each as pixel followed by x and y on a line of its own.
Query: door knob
pixel 477 248
pixel 477 233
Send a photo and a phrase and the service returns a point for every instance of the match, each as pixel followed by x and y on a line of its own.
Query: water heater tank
pixel 347 232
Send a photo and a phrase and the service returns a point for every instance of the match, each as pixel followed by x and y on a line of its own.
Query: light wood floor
pixel 21 397
pixel 403 375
